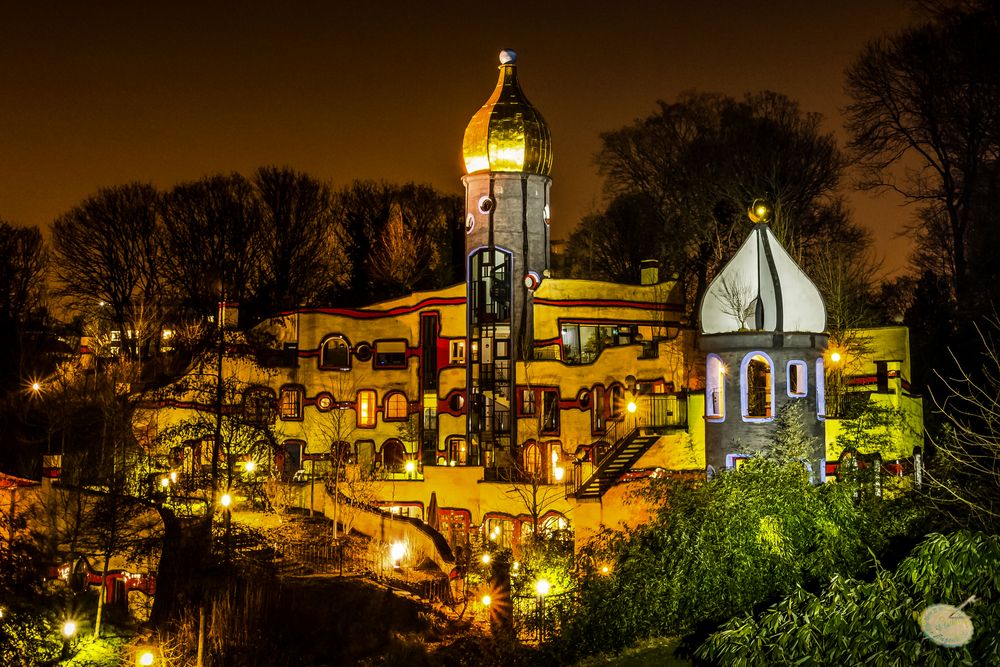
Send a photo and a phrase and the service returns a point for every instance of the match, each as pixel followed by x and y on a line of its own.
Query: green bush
pixel 723 547
pixel 855 622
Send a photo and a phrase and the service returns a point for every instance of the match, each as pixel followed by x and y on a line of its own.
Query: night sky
pixel 99 93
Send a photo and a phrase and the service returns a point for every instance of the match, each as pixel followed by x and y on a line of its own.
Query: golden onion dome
pixel 507 133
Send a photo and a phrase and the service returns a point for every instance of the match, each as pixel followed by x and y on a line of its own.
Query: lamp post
pixel 542 588
pixel 68 633
pixel 226 500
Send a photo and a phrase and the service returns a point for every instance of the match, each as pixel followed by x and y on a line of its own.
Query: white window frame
pixel 802 370
pixel 744 389
pixel 715 378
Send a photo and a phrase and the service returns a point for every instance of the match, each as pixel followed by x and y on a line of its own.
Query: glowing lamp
pixel 760 211
pixel 486 559
pixel 542 587
pixel 147 658
pixel 397 551
pixel 226 500
pixel 250 466
pixel 36 387
pixel 631 407
pixel 69 628
pixel 173 477
pixel 410 466
pixel 835 356
pixel 487 600
pixel 605 570
pixel 558 473
pixel 165 482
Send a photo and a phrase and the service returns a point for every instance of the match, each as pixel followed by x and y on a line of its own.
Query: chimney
pixel 649 272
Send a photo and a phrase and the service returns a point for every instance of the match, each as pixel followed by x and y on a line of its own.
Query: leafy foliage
pixel 720 548
pixel 855 622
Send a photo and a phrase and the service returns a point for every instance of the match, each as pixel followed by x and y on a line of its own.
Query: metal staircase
pixel 632 436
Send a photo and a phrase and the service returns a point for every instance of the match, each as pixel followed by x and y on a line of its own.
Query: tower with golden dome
pixel 508 157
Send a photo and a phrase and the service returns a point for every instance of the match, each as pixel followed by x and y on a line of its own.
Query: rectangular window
pixel 457 355
pixel 502 348
pixel 291 403
pixel 366 408
pixel 390 354
pixel 527 402
pixel 550 412
pixel 797 385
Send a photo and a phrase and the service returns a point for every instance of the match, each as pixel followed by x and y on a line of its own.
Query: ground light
pixel 69 629
pixel 146 658
pixel 835 356
pixel 226 500
pixel 396 552
pixel 250 466
pixel 486 559
pixel 487 600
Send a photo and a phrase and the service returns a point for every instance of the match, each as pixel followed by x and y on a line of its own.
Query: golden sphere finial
pixel 760 211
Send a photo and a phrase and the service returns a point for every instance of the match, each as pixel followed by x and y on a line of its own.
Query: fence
pixel 537 618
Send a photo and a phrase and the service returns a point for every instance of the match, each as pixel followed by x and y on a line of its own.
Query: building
pixel 518 399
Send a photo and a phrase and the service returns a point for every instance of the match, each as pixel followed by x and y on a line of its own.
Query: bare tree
pixel 925 120
pixel 304 255
pixel 106 254
pixel 737 299
pixel 701 160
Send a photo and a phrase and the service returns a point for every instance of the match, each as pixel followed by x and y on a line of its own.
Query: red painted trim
pixel 355 313
pixel 608 303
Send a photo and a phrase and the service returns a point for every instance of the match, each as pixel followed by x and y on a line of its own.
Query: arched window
pixel 715 388
pixel 336 353
pixel 598 410
pixel 757 387
pixel 616 395
pixel 820 389
pixel 393 455
pixel 396 407
pixel 532 460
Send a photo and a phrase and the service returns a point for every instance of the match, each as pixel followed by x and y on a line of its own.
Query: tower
pixel 508 158
pixel 762 332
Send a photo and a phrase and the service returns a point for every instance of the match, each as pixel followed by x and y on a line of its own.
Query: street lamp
pixel 68 632
pixel 542 588
pixel 226 500
pixel 835 356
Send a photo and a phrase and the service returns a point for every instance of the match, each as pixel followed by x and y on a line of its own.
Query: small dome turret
pixel 508 133
pixel 762 288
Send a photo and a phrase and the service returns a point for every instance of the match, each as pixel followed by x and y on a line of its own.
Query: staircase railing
pixel 652 412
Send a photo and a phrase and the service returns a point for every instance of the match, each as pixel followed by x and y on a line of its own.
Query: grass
pixel 657 652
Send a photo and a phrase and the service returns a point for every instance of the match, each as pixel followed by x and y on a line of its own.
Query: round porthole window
pixel 363 351
pixel 584 399
pixel 486 204
pixel 456 402
pixel 470 224
pixel 324 402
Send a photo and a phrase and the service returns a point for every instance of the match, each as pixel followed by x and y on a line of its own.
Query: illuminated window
pixel 396 406
pixel 457 352
pixel 366 408
pixel 532 460
pixel 457 453
pixel 757 389
pixel 715 388
pixel 797 380
pixel 527 402
pixel 390 354
pixel 291 403
pixel 336 354
pixel 499 531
